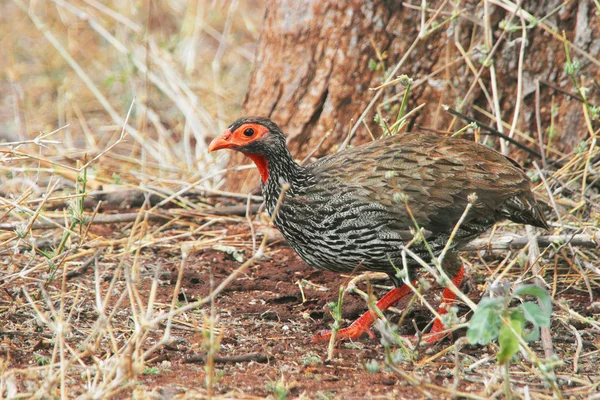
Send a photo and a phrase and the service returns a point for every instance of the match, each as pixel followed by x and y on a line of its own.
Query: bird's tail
pixel 525 209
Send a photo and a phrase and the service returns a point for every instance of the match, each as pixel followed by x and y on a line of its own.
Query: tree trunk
pixel 317 60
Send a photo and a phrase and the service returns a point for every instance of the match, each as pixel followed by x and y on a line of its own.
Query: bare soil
pixel 272 310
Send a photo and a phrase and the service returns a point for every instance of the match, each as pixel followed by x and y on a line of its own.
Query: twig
pixel 577 350
pixel 556 88
pixel 100 219
pixel 519 78
pixel 534 256
pixel 86 264
pixel 493 131
pixel 560 220
pixel 317 147
pixel 538 123
pixel 119 140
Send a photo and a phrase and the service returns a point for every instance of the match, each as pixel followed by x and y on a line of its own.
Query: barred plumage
pixel 347 210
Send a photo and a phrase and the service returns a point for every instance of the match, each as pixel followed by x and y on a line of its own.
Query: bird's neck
pixel 276 171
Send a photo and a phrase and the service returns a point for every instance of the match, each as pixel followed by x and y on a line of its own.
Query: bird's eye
pixel 249 132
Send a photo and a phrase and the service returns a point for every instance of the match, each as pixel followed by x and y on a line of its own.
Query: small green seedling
pixel 494 319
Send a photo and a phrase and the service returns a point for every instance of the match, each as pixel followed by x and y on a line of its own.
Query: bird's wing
pixel 436 174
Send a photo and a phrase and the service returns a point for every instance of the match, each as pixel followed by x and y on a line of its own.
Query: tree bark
pixel 315 60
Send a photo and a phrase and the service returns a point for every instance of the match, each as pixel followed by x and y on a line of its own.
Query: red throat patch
pixel 261 164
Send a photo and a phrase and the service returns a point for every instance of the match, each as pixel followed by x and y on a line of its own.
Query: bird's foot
pixel 358 328
pixel 364 323
pixel 437 333
pixel 353 332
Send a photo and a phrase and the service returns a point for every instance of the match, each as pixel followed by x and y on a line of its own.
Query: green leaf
pixel 372 64
pixel 538 292
pixel 485 323
pixel 534 314
pixel 508 341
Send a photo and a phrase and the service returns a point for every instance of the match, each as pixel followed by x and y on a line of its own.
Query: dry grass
pixel 126 95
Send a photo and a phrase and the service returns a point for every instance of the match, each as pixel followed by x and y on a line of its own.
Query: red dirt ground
pixel 263 311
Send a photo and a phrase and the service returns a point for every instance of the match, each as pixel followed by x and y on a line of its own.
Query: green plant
pixel 278 388
pixel 151 371
pixel 311 359
pixel 336 313
pixel 495 319
pixel 41 359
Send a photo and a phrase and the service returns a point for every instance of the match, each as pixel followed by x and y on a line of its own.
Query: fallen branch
pixel 100 219
pixel 201 358
pixel 51 223
pixel 512 241
pixel 504 241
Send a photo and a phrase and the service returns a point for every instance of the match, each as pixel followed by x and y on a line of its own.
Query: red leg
pixel 448 298
pixel 364 323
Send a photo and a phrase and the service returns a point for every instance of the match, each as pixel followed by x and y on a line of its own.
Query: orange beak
pixel 221 142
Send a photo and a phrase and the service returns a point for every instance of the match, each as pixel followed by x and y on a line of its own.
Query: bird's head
pixel 256 137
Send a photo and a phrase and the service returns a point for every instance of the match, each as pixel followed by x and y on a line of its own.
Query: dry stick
pixel 86 264
pixel 11 207
pixel 201 358
pixel 538 123
pixel 476 73
pixel 317 147
pixel 493 81
pixel 216 62
pixel 534 256
pixel 52 223
pixel 249 219
pixel 89 224
pixel 207 192
pixel 114 15
pixel 346 141
pixel 38 140
pixel 493 131
pixel 434 273
pixel 63 169
pixel 143 230
pixel 119 140
pixel 50 188
pixel 519 79
pixel 511 241
pixel 196 183
pixel 523 135
pixel 593 136
pixel 578 348
pixel 425 79
pixel 458 367
pixel 557 89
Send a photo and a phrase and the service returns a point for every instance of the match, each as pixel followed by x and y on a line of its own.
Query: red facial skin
pixel 237 138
